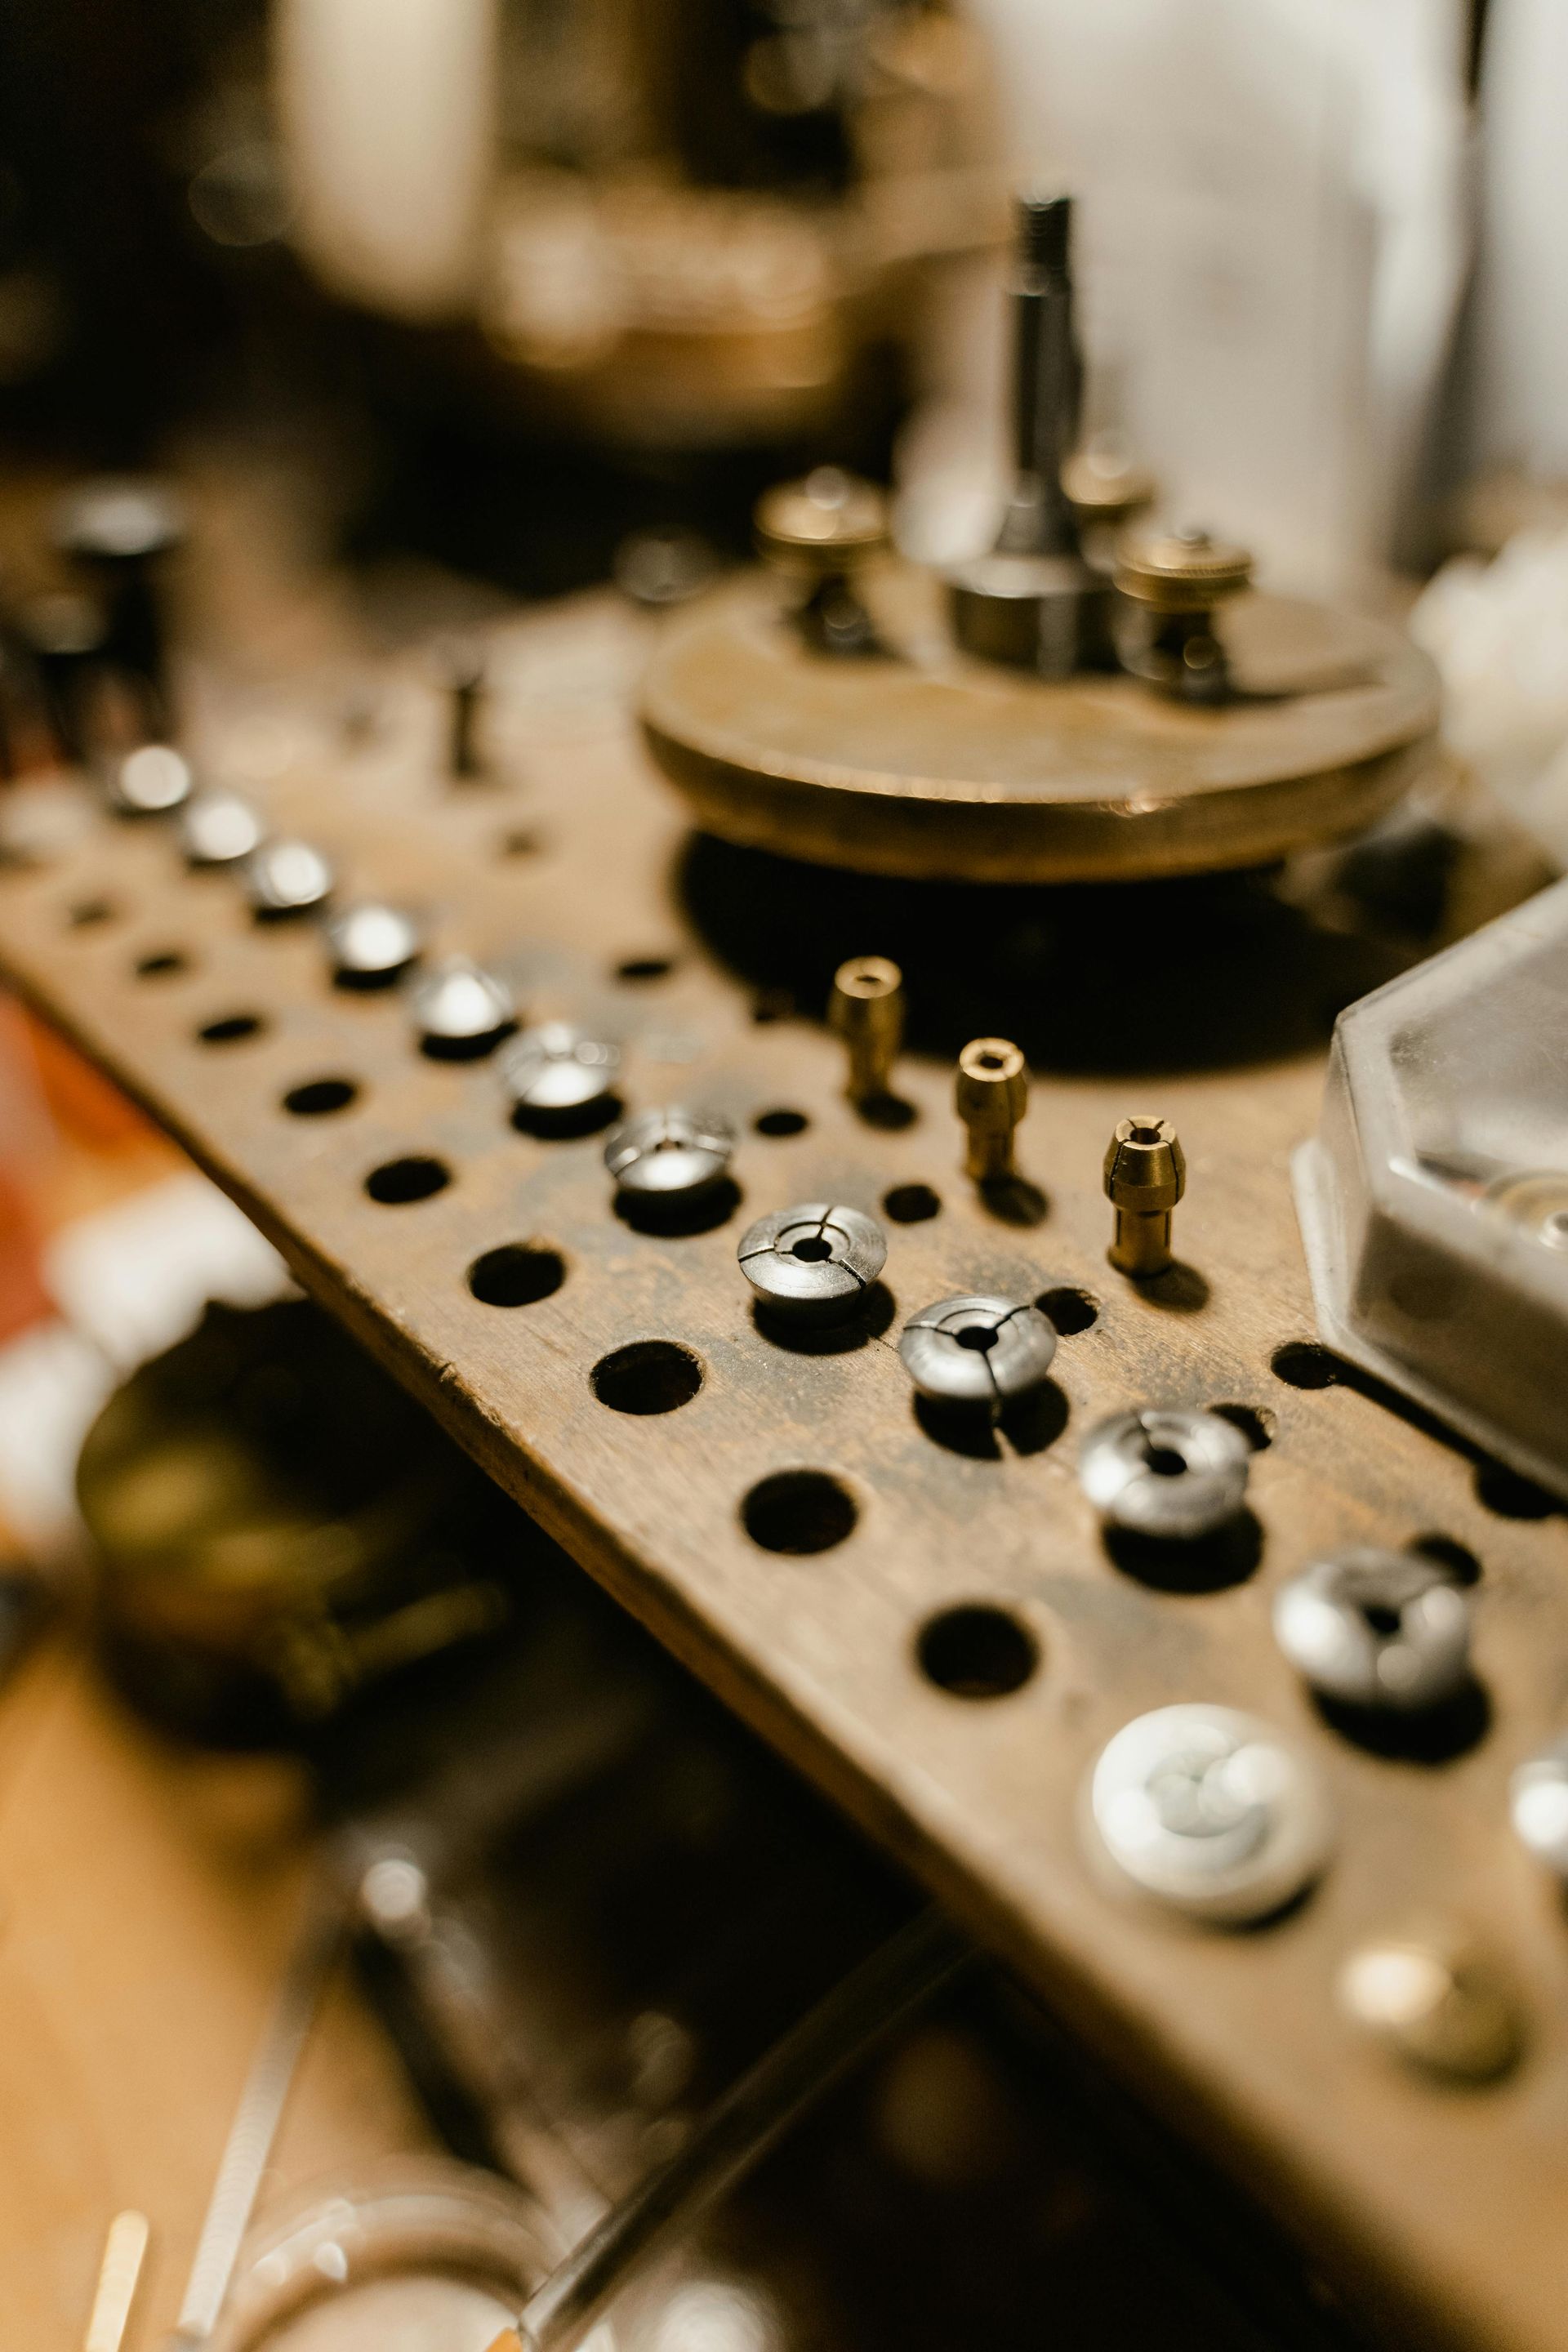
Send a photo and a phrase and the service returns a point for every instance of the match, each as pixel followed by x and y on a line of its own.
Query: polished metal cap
pixel 459 1008
pixel 1209 1811
pixel 669 1154
pixel 220 829
pixel 288 878
pixel 152 780
pixel 814 1262
pixel 371 944
pixel 1386 1630
pixel 1538 1801
pixel 1166 1472
pixel 558 1068
pixel 977 1351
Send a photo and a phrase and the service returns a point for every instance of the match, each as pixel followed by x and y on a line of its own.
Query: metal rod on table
pixel 874 1999
pixel 255 2121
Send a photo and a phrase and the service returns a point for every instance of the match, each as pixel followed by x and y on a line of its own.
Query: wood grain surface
pixel 1438 2206
pixel 148 1897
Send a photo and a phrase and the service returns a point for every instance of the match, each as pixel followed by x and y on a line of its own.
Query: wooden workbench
pixel 147 1897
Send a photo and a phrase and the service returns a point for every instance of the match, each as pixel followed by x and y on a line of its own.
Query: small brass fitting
pixel 819 532
pixel 866 1009
pixel 1179 578
pixel 1436 2003
pixel 991 1094
pixel 1145 1176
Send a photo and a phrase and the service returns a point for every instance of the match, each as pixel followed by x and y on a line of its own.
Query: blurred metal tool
pixel 256 2122
pixel 890 1987
pixel 117 2276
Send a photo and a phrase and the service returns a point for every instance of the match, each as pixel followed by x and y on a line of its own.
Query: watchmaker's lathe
pixel 1033 717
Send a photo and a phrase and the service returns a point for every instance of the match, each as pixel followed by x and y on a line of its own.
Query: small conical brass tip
pixel 1145 1176
pixel 866 1009
pixel 991 1094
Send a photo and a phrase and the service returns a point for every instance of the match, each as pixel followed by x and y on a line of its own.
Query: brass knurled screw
pixel 866 1009
pixel 819 532
pixel 1145 1176
pixel 1179 577
pixel 991 1093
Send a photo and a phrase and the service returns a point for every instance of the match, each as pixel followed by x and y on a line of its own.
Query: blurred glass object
pixel 1434 1199
pixel 425 2256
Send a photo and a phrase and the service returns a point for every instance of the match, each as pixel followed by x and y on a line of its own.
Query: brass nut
pixel 867 1010
pixel 1145 1176
pixel 991 1094
pixel 1183 570
pixel 827 522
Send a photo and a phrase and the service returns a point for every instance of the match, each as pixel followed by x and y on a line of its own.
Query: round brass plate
pixel 924 762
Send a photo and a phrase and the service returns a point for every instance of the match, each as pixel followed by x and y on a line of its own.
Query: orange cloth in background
pixel 69 1141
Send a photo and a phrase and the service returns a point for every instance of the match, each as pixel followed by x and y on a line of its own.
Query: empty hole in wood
pixel 1070 1310
pixel 162 965
pixel 229 1028
pixel 1448 1551
pixel 648 1376
pixel 1303 1364
pixel 1511 1496
pixel 517 1273
pixel 1255 1422
pixel 648 967
pixel 413 1178
pixel 977 1650
pixel 911 1205
pixel 798 1511
pixel 318 1096
pixel 781 1122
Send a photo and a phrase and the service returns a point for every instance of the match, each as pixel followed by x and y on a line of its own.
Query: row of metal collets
pixel 460 1009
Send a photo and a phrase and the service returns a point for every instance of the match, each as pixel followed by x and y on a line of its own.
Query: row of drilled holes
pixel 808 1511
